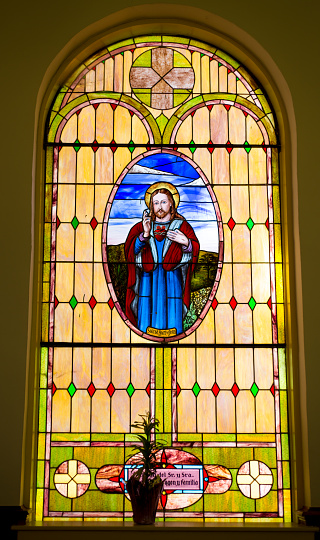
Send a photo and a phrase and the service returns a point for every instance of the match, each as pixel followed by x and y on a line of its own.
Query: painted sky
pixel 195 201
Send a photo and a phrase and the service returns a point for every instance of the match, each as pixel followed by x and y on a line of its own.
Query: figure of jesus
pixel 162 251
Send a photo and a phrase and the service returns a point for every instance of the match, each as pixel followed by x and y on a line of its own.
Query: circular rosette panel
pixel 162 78
pixel 254 479
pixel 72 478
pixel 162 245
pixel 108 478
pixel 185 478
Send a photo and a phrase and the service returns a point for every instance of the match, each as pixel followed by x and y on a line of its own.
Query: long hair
pixel 173 211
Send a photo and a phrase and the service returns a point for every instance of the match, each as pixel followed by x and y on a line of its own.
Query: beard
pixel 161 213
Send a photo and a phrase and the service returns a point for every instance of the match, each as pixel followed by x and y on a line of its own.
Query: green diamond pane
pixel 76 145
pixel 131 146
pixel 192 146
pixel 73 302
pixel 75 222
pixel 130 389
pixel 196 389
pixel 254 389
pixel 250 224
pixel 247 147
pixel 162 121
pixel 252 303
pixel 72 389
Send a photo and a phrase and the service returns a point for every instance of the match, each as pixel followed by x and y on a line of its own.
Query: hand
pixel 178 236
pixel 146 223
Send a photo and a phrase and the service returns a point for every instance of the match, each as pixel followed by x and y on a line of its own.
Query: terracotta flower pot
pixel 144 501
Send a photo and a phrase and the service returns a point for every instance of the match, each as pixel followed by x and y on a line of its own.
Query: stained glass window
pixel 163 288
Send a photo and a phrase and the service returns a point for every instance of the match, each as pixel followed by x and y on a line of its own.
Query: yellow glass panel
pixel 139 132
pixel 108 74
pixel 120 375
pixel 201 131
pixel 205 367
pixel 187 411
pixel 205 332
pixel 237 126
pixel 206 412
pixel 244 368
pixel 224 324
pixel 67 165
pixel 240 203
pixel 122 125
pixel 245 412
pixel 61 405
pixel 120 412
pixel 223 79
pixel 64 281
pixel 205 76
pixel 259 203
pixel 241 244
pixel 140 403
pixel 120 331
pixel 196 64
pixel 186 368
pixel 140 367
pixel 63 318
pixel 69 132
pixel 280 321
pixel 220 166
pixel 232 83
pixel 86 124
pixel 121 159
pixel 101 370
pixel 90 81
pixel 127 62
pixel 184 134
pixel 262 329
pixel 263 368
pixel 85 165
pixel 243 324
pixel 226 422
pixel 97 239
pixel 104 166
pixel 65 242
pixel 227 253
pixel 219 126
pixel 99 77
pixel 101 323
pixel 264 412
pixel 191 339
pixel 118 73
pixel 82 323
pixel 104 123
pixel 85 198
pixel 214 77
pixel 84 242
pixel 100 289
pixel 83 282
pixel 257 166
pixel 279 283
pixel 260 244
pixel 224 368
pixel 261 282
pixel 277 243
pixel 100 412
pixel 81 367
pixel 224 292
pixel 81 405
pixel 242 282
pixel 203 159
pixel 62 367
pixel 185 53
pixel 66 202
pixel 241 89
pixel 239 166
pixel 254 135
pixel 223 198
pixel 102 193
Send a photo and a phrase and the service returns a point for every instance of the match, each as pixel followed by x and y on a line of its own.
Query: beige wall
pixel 32 34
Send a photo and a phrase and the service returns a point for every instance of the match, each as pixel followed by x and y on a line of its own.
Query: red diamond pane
pixel 269 302
pixel 92 302
pixel 227 107
pixel 215 389
pixel 56 301
pixel 272 389
pixel 235 390
pixel 214 303
pixel 148 389
pixel 229 145
pixel 58 222
pixel 111 303
pixel 111 389
pixel 113 145
pixel 95 146
pixel 233 303
pixel 267 223
pixel 91 389
pixel 93 223
pixel 178 389
pixel 53 388
pixel 231 223
pixel 210 147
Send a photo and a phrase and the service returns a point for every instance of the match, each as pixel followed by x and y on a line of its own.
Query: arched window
pixel 162 286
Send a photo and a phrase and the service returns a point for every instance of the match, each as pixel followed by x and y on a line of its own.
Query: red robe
pixel 171 260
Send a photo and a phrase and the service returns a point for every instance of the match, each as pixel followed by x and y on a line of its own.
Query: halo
pixel 162 185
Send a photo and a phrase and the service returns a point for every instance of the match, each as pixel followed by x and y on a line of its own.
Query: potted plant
pixel 145 485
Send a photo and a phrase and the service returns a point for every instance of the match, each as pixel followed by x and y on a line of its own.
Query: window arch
pixel 185 111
